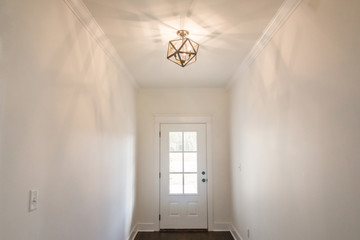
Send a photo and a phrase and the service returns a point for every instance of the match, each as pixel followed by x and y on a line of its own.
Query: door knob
pixel 203 180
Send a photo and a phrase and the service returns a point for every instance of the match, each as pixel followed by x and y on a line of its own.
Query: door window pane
pixel 190 162
pixel 190 183
pixel 175 160
pixel 176 183
pixel 190 141
pixel 175 141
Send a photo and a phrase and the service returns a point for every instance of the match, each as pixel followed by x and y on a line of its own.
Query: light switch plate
pixel 33 200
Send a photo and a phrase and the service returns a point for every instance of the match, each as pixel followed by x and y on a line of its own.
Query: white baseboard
pixel 234 232
pixel 133 233
pixel 146 227
pixel 141 227
pixel 218 226
pixel 227 226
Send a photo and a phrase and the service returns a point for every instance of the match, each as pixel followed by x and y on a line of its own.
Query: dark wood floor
pixel 181 235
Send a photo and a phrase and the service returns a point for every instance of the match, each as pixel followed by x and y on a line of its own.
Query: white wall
pixel 181 101
pixel 295 116
pixel 67 128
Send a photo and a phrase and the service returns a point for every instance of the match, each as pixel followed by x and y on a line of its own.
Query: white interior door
pixel 183 183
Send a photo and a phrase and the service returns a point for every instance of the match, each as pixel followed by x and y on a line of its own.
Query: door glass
pixel 176 164
pixel 190 141
pixel 190 162
pixel 183 177
pixel 175 141
pixel 176 183
pixel 190 183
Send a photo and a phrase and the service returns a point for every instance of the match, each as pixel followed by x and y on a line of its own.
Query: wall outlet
pixel 33 200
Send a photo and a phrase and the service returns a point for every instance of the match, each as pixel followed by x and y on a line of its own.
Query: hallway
pixel 103 138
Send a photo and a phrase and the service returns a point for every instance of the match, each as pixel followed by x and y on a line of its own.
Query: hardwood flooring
pixel 184 235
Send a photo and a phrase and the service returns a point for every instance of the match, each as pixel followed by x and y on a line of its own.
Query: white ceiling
pixel 141 29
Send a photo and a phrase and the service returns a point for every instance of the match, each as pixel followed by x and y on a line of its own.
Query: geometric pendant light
pixel 182 51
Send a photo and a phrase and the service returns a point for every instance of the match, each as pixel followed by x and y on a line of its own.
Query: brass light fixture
pixel 182 51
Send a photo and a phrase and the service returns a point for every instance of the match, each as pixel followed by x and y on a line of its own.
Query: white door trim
pixel 206 119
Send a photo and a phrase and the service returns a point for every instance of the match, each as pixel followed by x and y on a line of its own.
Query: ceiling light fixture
pixel 182 51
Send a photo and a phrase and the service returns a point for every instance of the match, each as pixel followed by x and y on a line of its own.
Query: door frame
pixel 186 119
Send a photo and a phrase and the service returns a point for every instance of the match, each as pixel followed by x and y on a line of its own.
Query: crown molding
pixel 281 16
pixel 90 24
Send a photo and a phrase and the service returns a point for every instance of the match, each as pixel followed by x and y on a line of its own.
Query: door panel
pixel 183 185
